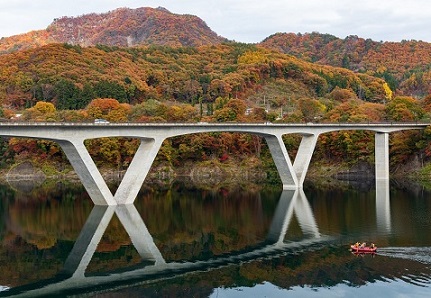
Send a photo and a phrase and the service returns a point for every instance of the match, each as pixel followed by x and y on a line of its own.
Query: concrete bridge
pixel 71 137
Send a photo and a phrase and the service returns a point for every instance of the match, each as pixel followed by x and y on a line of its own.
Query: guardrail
pixel 319 124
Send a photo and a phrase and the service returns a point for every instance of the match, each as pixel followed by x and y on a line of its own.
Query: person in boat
pixel 356 244
pixel 363 245
pixel 372 245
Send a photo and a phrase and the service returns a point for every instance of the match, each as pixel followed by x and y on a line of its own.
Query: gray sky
pixel 248 20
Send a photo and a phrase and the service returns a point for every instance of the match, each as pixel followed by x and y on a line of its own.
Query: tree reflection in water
pixel 284 258
pixel 73 276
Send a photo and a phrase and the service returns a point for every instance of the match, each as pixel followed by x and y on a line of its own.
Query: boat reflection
pixel 73 277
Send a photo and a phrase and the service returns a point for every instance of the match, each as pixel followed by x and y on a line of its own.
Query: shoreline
pixel 210 174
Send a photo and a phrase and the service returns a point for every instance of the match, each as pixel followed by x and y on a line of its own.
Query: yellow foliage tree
pixel 42 111
pixel 252 57
pixel 44 107
pixel 388 91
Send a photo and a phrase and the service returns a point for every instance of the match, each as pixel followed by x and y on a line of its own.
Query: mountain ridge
pixel 120 27
pixel 405 65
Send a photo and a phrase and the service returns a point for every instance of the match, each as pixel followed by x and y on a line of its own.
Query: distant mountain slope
pixel 69 75
pixel 121 27
pixel 404 65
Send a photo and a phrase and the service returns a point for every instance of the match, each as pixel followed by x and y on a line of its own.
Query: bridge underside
pixel 291 174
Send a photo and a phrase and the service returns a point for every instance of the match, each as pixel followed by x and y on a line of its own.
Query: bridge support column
pixel 88 172
pixel 282 161
pixel 137 171
pixel 93 180
pixel 292 176
pixel 304 155
pixel 382 155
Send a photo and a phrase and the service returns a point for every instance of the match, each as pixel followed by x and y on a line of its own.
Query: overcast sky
pixel 248 20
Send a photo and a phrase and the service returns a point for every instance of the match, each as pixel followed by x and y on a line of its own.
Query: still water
pixel 250 241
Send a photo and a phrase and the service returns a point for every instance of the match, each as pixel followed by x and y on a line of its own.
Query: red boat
pixel 363 248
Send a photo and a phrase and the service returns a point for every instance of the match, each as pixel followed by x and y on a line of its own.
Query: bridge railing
pixel 319 124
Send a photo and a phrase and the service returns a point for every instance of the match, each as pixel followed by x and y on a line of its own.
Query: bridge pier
pixel 303 156
pixel 381 140
pixel 87 171
pixel 137 171
pixel 292 176
pixel 93 181
pixel 282 161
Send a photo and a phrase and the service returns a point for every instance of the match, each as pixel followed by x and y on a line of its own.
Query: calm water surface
pixel 230 242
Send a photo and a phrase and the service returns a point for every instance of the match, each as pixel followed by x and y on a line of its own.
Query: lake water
pixel 241 241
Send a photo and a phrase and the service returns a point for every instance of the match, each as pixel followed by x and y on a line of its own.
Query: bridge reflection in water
pixel 73 275
pixel 73 278
pixel 383 206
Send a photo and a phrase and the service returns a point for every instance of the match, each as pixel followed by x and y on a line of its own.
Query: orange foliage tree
pixel 109 109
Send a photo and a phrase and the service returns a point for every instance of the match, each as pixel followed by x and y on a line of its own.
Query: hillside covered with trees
pixel 286 78
pixel 405 66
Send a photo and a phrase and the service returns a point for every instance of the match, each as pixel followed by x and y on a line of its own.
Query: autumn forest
pixel 72 72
